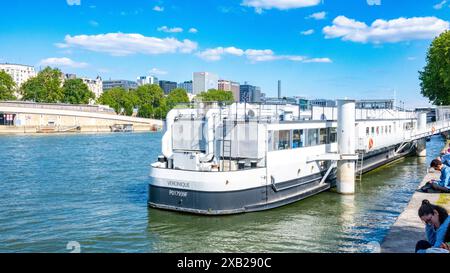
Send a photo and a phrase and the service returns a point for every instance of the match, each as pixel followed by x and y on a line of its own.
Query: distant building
pixel 94 85
pixel 143 80
pixel 187 85
pixel 375 104
pixel 233 87
pixel 203 81
pixel 249 93
pixel 69 77
pixel 19 73
pixel 167 86
pixel 125 84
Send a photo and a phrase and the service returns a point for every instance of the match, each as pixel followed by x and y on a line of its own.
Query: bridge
pixel 86 111
pixel 29 117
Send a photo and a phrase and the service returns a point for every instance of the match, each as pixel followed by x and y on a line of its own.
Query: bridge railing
pixel 58 106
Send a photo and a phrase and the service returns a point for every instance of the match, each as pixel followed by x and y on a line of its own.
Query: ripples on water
pixel 93 189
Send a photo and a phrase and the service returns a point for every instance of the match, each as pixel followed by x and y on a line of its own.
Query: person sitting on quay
pixel 443 184
pixel 436 225
pixel 445 246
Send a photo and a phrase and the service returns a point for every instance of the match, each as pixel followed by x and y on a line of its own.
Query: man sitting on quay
pixel 443 184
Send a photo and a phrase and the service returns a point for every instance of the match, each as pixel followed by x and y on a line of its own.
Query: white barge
pixel 226 159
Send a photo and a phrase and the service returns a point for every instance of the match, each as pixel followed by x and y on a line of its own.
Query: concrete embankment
pixel 408 228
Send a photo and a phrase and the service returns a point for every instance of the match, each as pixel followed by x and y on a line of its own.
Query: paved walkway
pixel 408 229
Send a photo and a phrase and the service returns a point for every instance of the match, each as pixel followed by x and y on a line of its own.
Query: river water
pixel 92 189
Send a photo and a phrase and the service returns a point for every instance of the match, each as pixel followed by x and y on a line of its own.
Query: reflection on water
pixel 93 189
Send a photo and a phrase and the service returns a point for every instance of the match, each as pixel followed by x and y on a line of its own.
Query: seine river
pixel 92 189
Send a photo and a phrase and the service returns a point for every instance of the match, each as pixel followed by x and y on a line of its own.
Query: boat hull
pixel 233 202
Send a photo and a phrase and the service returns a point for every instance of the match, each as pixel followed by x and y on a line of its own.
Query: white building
pixel 96 86
pixel 143 80
pixel 203 81
pixel 19 73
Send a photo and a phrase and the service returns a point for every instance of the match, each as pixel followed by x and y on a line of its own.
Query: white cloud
pixel 66 62
pixel 318 15
pixel 215 54
pixel 255 55
pixel 318 60
pixel 157 71
pixel 170 30
pixel 381 31
pixel 260 5
pixel 307 32
pixel 374 2
pixel 73 2
pixel 193 30
pixel 123 44
pixel 440 5
pixel 411 58
pixel 158 8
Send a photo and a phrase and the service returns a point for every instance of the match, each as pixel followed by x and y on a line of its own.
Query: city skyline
pixel 365 49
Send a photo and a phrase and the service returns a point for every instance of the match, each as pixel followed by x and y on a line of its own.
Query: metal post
pixel 346 146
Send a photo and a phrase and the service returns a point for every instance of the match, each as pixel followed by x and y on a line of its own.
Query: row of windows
pixel 298 138
pixel 380 130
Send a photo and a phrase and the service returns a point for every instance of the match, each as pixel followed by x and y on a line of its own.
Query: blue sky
pixel 319 49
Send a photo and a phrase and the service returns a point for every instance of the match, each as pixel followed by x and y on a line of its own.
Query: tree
pixel 435 77
pixel 75 91
pixel 118 99
pixel 216 95
pixel 7 86
pixel 45 87
pixel 177 96
pixel 151 100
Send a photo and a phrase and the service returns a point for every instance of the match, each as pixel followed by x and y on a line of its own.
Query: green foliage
pixel 177 96
pixel 151 101
pixel 45 87
pixel 435 77
pixel 7 86
pixel 118 99
pixel 75 91
pixel 216 95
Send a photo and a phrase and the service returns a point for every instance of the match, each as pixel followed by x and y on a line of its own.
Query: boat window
pixel 386 129
pixel 313 137
pixel 390 129
pixel 378 130
pixel 284 139
pixel 270 140
pixel 367 131
pixel 373 130
pixel 298 138
pixel 333 135
pixel 382 130
pixel 323 136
